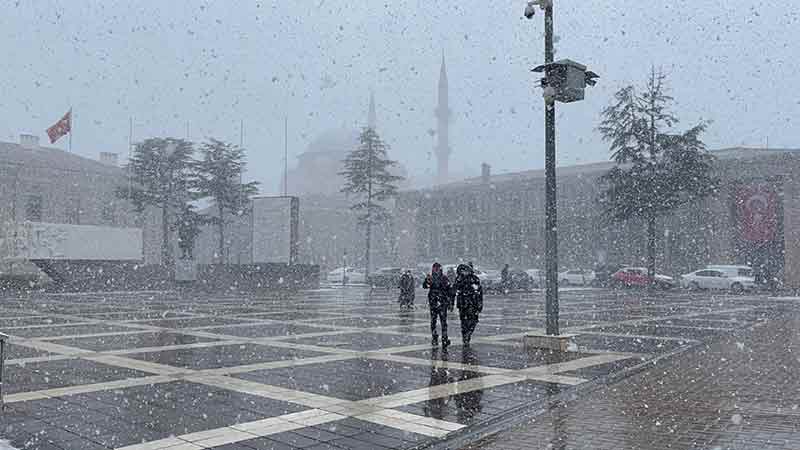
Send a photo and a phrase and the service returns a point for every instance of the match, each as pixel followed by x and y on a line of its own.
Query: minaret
pixel 372 119
pixel 443 123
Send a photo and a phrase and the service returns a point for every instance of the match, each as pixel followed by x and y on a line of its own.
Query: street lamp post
pixel 564 81
pixel 550 217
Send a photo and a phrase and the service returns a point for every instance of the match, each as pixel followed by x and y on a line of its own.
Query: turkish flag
pixel 757 205
pixel 61 128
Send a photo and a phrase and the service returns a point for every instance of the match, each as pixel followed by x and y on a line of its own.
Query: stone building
pixel 329 232
pixel 500 219
pixel 43 184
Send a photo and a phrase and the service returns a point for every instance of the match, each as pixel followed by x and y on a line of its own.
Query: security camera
pixel 530 10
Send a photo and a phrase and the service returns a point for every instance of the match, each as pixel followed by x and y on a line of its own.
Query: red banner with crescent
pixel 757 206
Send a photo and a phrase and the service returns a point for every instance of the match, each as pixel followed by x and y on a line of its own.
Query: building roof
pixel 53 158
pixel 597 168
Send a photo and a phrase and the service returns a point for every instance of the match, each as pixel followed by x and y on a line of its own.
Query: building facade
pixel 494 220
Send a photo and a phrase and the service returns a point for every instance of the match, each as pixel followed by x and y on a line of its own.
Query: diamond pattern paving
pixel 329 368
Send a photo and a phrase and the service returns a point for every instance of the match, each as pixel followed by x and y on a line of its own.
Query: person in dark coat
pixel 505 278
pixel 407 290
pixel 469 300
pixel 439 302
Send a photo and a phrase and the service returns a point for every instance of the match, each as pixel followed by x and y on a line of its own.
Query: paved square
pixel 336 379
pixel 130 341
pixel 222 356
pixel 329 368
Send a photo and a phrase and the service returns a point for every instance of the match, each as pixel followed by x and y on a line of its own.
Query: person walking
pixel 439 302
pixel 407 290
pixel 505 278
pixel 469 300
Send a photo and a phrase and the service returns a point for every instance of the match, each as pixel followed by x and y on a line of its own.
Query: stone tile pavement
pixel 740 391
pixel 329 368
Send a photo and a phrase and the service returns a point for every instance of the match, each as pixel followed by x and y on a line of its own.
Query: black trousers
pixel 468 324
pixel 440 314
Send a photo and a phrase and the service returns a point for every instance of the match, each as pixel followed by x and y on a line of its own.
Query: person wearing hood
pixel 407 290
pixel 469 300
pixel 439 292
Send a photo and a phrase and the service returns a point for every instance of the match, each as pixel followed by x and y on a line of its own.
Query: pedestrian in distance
pixel 469 300
pixel 505 278
pixel 439 302
pixel 407 285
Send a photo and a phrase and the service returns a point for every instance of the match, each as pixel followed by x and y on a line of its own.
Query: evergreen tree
pixel 367 177
pixel 657 171
pixel 218 176
pixel 160 172
pixel 188 225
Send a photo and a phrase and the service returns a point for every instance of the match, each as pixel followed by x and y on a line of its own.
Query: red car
pixel 637 276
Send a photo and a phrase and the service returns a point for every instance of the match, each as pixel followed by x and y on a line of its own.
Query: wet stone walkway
pixel 325 369
pixel 740 391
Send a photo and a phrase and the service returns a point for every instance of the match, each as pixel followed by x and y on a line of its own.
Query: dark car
pixel 385 277
pixel 603 274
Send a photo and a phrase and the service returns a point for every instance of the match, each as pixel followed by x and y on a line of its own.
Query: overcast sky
pixel 215 63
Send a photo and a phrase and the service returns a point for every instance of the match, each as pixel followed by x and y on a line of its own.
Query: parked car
pixel 490 279
pixel 346 275
pixel 638 277
pixel 577 277
pixel 732 270
pixel 718 279
pixel 385 277
pixel 520 280
pixel 603 274
pixel 536 278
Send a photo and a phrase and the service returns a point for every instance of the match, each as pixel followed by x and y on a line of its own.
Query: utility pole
pixel 286 155
pixel 551 218
pixel 564 81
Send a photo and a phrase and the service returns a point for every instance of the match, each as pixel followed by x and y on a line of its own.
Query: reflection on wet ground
pixel 342 368
pixel 125 341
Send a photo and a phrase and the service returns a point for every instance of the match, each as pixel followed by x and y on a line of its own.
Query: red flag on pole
pixel 61 128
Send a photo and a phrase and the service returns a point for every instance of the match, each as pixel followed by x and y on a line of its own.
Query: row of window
pixel 34 211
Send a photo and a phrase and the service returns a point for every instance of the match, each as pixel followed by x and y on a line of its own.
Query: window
pixel 33 208
pixel 703 273
pixel 73 212
pixel 107 214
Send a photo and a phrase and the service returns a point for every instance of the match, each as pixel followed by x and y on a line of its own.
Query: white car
pixel 537 276
pixel 717 279
pixel 577 277
pixel 732 271
pixel 490 279
pixel 346 275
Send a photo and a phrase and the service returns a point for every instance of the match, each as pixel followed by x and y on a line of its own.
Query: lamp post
pixel 564 81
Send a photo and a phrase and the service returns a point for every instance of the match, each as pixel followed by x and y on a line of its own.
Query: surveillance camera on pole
pixel 530 9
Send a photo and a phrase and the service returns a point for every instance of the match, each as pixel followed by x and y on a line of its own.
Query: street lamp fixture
pixel 565 80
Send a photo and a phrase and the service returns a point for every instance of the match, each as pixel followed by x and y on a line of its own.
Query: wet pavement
pixel 740 391
pixel 345 369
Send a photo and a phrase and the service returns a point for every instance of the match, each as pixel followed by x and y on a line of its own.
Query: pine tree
pixel 218 177
pixel 657 171
pixel 160 172
pixel 367 177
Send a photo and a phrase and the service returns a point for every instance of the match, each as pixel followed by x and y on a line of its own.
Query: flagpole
pixel 71 127
pixel 241 145
pixel 130 155
pixel 286 154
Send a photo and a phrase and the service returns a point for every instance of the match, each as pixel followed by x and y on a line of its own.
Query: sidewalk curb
pixel 481 430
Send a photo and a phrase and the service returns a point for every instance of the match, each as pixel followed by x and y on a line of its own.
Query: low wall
pixel 255 277
pixel 83 276
pixel 86 276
